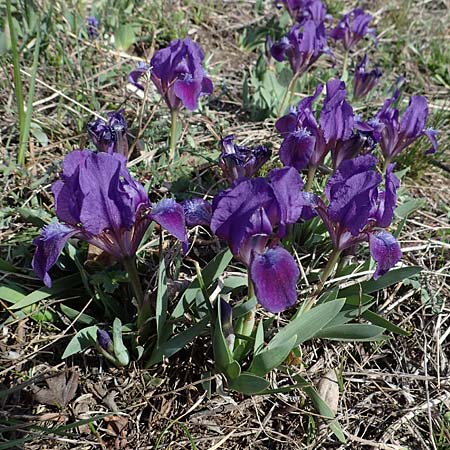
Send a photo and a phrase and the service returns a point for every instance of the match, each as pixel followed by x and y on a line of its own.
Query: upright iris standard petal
pixel 197 211
pixel 297 148
pixel 336 117
pixel 170 215
pixel 49 246
pixel 385 250
pixel 388 199
pixel 287 186
pixel 364 81
pixel 274 274
pixel 234 209
pixel 352 192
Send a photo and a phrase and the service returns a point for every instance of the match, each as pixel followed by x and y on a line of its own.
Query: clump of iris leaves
pixel 334 190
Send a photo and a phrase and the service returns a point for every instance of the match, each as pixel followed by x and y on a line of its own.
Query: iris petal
pixel 274 275
pixel 385 250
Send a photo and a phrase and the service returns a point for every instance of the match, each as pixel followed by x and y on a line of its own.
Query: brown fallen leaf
pixel 61 389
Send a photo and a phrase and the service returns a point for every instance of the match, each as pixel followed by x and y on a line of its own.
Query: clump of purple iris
pixel 97 201
pixel 358 210
pixel 397 132
pixel 252 217
pixel 177 73
pixel 306 140
pixel 110 136
pixel 364 81
pixel 92 27
pixel 239 162
pixel 353 27
pixel 302 46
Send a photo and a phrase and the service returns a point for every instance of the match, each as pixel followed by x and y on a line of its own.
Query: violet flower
pixel 399 133
pixel 99 202
pixel 177 73
pixel 252 217
pixel 364 81
pixel 238 162
pixel 111 136
pixel 92 27
pixel 293 7
pixel 306 142
pixel 353 27
pixel 104 340
pixel 302 46
pixel 358 210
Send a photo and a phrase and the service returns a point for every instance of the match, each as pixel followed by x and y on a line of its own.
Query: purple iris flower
pixel 358 210
pixel 364 81
pixel 177 73
pixel 111 136
pixel 99 202
pixel 302 46
pixel 197 211
pixel 352 28
pixel 104 340
pixel 306 142
pixel 237 161
pixel 92 27
pixel 293 7
pixel 399 133
pixel 252 217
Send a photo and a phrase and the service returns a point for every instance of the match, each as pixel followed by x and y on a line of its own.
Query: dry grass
pixel 393 394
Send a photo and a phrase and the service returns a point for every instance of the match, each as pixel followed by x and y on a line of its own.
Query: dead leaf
pixel 61 389
pixel 97 257
pixel 329 390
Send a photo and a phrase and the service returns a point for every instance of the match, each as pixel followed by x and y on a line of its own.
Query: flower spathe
pixel 177 73
pixel 97 200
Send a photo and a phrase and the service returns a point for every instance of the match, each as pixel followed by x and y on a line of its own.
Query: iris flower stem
pixel 173 134
pixel 143 310
pixel 249 319
pixel 334 258
pixel 385 165
pixel 344 67
pixel 310 179
pixel 286 93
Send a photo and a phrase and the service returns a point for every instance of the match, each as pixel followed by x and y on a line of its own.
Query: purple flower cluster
pixel 177 73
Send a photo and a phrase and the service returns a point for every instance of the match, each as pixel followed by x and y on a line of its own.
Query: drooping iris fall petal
pixel 274 274
pixel 385 250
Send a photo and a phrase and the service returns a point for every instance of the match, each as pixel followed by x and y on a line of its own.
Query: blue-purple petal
pixel 49 246
pixel 274 274
pixel 385 250
pixel 170 215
